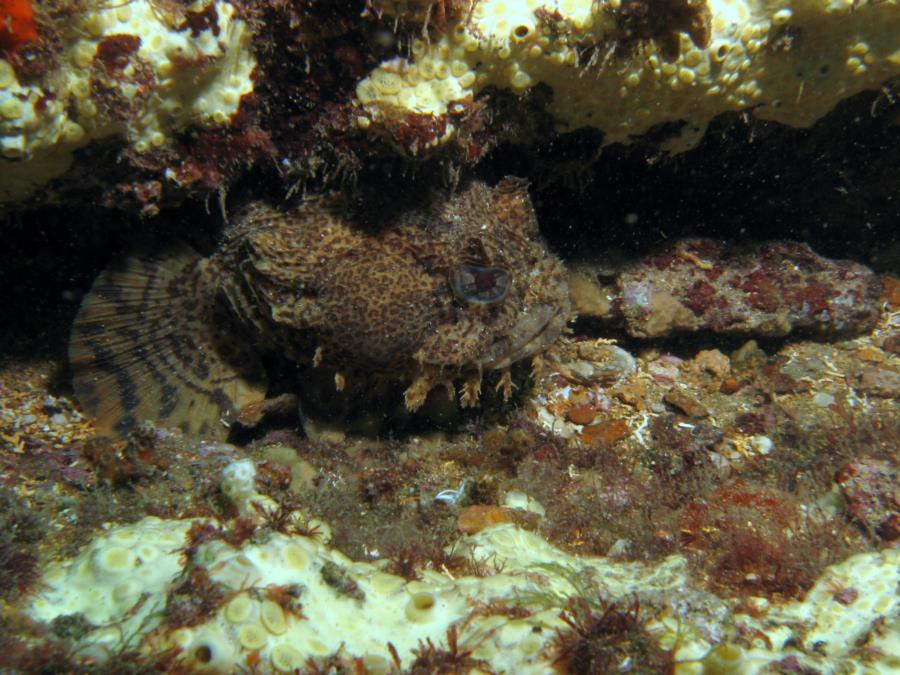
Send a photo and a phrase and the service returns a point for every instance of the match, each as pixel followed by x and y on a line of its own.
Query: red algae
pixel 771 289
pixel 873 499
pixel 114 51
pixel 757 540
pixel 603 637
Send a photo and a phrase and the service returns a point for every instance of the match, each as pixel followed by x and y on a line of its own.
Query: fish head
pixel 505 294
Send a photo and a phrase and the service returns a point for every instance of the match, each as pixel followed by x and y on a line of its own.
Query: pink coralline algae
pixel 873 498
pixel 769 289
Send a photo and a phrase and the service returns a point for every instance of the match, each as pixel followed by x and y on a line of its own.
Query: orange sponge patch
pixel 17 25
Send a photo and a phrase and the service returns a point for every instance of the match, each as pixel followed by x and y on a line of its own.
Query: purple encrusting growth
pixel 769 289
pixel 869 486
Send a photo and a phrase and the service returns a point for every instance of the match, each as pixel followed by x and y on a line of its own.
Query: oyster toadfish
pixel 438 292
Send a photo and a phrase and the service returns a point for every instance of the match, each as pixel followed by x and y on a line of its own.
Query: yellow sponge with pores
pixel 790 62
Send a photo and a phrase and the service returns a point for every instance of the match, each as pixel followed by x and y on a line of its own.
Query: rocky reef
pixel 193 96
pixel 765 290
pixel 449 336
pixel 624 66
pixel 728 510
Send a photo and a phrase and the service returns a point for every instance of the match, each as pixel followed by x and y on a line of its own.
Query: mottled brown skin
pixel 381 301
pixel 326 285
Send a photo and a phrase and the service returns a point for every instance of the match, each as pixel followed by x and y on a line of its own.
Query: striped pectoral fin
pixel 146 345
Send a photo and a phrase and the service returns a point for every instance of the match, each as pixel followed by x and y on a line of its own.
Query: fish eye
pixel 478 285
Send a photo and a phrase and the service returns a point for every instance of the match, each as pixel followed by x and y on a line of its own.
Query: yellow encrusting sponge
pixel 789 61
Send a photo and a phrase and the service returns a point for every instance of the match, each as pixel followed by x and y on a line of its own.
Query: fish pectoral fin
pixel 252 414
pixel 147 344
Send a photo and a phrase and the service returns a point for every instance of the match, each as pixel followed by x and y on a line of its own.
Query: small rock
pixel 599 363
pixel 748 356
pixel 51 405
pixel 730 385
pixel 769 289
pixel 664 370
pixel 685 404
pixel 871 355
pixel 29 419
pixel 892 290
pixel 588 297
pixel 620 547
pixel 475 518
pixel 873 498
pixel 782 383
pixel 892 344
pixel 802 366
pixel 606 433
pixel 581 414
pixel 761 444
pixel 823 399
pixel 714 362
pixel 889 529
pixel 515 499
pixel 879 381
pixel 58 419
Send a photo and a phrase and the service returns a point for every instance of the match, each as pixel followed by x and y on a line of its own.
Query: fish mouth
pixel 537 328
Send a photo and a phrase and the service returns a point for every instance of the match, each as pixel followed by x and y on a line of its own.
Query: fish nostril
pixel 479 285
